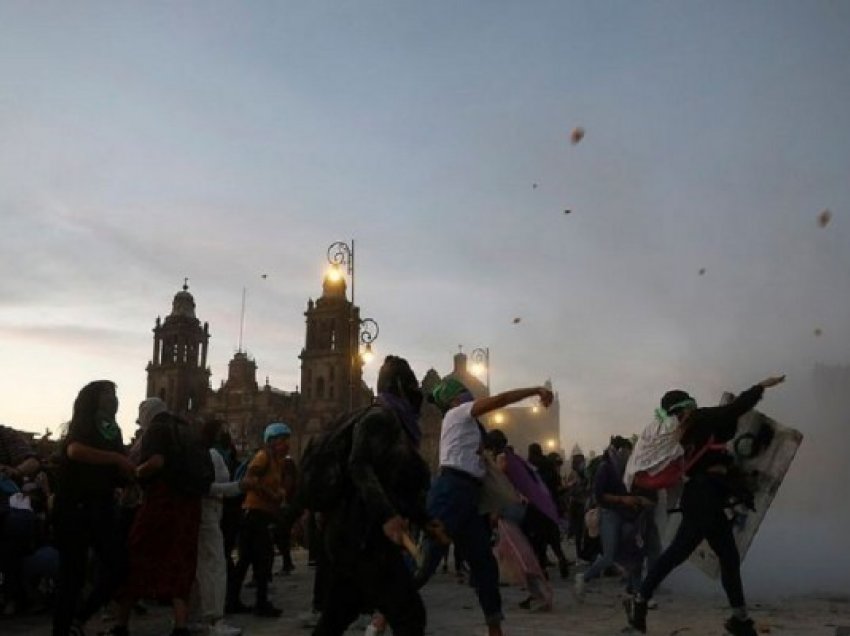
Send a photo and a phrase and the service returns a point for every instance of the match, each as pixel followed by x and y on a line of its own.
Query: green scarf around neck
pixel 108 429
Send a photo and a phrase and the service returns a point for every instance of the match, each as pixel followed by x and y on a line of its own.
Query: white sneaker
pixel 220 628
pixel 579 588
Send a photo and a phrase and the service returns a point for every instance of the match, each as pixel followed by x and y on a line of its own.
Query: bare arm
pixel 153 465
pixel 85 454
pixel 30 466
pixel 482 406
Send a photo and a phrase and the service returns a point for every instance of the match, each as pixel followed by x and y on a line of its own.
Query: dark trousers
pixel 283 541
pixel 379 580
pixel 453 499
pixel 18 530
pixel 79 527
pixel 703 517
pixel 256 551
pixel 320 572
pixel 543 533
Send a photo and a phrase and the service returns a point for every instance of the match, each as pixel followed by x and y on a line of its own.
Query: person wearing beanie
pixel 264 495
pixel 704 501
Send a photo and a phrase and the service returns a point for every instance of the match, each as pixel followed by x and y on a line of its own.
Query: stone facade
pixel 331 377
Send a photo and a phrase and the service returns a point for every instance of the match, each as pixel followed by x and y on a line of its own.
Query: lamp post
pixel 481 358
pixel 361 331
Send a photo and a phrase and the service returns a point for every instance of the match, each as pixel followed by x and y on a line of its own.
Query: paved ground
pixel 453 610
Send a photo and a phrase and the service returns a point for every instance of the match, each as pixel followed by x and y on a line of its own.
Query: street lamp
pixel 481 362
pixel 368 334
pixel 341 254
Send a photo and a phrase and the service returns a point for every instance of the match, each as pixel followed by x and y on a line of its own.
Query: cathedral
pixel 331 380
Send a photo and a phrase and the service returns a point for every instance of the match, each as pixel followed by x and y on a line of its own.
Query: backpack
pixel 324 479
pixel 192 470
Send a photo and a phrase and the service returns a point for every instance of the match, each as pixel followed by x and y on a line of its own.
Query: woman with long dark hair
pixel 92 464
pixel 163 541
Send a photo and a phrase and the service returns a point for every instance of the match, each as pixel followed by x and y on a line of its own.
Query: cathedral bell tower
pixel 331 367
pixel 178 372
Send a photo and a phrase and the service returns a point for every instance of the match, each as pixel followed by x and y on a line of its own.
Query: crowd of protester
pixel 103 522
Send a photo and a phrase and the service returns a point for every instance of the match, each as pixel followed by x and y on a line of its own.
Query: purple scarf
pixel 527 481
pixel 402 408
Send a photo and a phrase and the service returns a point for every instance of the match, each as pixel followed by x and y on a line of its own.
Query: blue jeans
pixel 610 530
pixel 453 499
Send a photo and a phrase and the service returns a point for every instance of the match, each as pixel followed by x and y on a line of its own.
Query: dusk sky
pixel 141 143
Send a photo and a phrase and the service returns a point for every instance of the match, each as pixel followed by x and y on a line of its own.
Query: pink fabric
pixel 519 564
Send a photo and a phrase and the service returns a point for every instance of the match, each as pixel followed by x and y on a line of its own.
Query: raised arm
pixel 482 406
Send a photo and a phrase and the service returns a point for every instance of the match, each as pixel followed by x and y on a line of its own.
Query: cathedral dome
pixel 184 303
pixel 462 373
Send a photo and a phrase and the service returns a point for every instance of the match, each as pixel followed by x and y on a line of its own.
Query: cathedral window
pixel 320 388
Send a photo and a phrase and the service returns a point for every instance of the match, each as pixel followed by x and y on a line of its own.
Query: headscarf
pixel 405 412
pixel 447 391
pixel 399 390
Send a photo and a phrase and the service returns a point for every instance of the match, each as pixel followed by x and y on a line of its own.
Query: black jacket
pixel 719 423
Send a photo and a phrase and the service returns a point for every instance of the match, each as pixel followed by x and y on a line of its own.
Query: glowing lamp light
pixel 478 368
pixel 535 409
pixel 367 354
pixel 498 418
pixel 550 443
pixel 334 274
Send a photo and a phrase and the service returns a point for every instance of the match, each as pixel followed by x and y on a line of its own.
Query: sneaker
pixel 740 627
pixel 636 613
pixel 220 628
pixel 579 588
pixel 267 610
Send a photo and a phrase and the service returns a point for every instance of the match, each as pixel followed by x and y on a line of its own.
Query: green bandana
pixel 446 391
pixel 109 430
pixel 661 414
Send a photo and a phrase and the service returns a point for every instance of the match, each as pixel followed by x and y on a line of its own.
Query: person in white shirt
pixel 455 494
pixel 210 590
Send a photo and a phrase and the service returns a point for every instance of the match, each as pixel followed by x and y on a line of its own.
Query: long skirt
pixel 210 589
pixel 163 545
